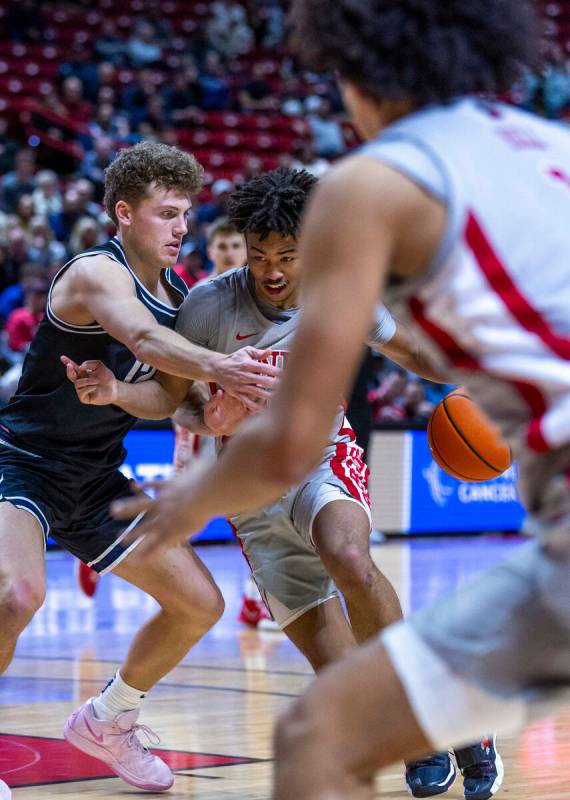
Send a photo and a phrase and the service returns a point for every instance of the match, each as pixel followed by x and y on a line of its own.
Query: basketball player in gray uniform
pixel 315 538
pixel 460 206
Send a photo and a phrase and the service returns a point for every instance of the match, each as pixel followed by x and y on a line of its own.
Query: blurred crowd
pixel 149 81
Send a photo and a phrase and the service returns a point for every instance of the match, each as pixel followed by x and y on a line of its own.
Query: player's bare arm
pixel 282 445
pixel 95 384
pixel 98 289
pixel 405 350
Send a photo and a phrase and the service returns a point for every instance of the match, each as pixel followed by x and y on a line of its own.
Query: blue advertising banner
pixel 440 503
pixel 149 458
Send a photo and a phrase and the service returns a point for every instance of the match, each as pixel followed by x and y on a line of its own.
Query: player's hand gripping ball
pixel 464 442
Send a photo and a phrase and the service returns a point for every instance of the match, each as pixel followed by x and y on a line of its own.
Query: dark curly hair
pixel 426 51
pixel 137 168
pixel 274 201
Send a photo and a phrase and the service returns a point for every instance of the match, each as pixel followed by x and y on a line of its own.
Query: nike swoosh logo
pixel 97 736
pixel 240 338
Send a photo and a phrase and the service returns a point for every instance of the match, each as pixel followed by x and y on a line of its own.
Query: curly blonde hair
pixel 137 168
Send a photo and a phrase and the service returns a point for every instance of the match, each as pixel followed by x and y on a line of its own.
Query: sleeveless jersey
pixel 44 415
pixel 225 315
pixel 494 306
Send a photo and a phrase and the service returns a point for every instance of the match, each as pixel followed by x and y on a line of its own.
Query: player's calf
pixel 305 751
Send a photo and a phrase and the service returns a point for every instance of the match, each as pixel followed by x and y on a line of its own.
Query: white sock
pixel 116 697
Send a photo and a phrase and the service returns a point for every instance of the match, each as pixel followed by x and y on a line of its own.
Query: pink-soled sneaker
pixel 5 793
pixel 116 743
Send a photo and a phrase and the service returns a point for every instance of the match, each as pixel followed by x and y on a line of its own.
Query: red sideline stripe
pixel 502 283
pixel 456 354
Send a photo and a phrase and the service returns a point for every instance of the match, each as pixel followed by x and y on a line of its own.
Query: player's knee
pixel 349 564
pixel 212 607
pixel 199 609
pixel 19 600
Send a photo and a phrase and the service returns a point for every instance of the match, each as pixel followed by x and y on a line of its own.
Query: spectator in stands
pixel 155 17
pixel 416 407
pixel 256 93
pixel 137 95
pixel 86 193
pixel 43 246
pixel 46 195
pixel 13 296
pixel 85 234
pixel 63 222
pixel 96 161
pixel 22 323
pixel 82 67
pixel 191 265
pixel 218 206
pixel 328 139
pixel 182 96
pixel 156 113
pixel 20 181
pixel 143 48
pixel 556 86
pixel 252 167
pixel 107 122
pixel 386 399
pixel 8 148
pixel 73 101
pixel 228 30
pixel 269 23
pixel 307 160
pixel 109 45
pixel 16 255
pixel 292 96
pixel 226 247
pixel 50 100
pixel 106 77
pixel 25 212
pixel 214 84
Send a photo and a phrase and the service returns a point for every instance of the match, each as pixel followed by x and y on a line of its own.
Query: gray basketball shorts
pixel 278 543
pixel 497 651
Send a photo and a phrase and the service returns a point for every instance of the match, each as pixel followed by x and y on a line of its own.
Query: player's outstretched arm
pixel 395 341
pixel 99 289
pixel 350 240
pixel 95 384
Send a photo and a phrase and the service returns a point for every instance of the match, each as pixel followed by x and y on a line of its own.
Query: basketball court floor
pixel 215 712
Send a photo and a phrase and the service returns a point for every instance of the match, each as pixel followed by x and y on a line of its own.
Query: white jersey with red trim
pixel 495 303
pixel 225 314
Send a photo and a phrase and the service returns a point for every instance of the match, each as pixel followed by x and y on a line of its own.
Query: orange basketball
pixel 464 442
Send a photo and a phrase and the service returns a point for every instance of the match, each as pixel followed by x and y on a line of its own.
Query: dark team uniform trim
pixel 68 326
pixel 149 297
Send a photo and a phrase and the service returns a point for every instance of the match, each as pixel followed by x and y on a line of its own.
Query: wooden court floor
pixel 215 712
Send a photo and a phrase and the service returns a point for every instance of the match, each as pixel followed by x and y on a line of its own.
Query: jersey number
pixel 139 372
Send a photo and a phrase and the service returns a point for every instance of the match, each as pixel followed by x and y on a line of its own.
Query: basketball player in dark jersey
pixel 59 459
